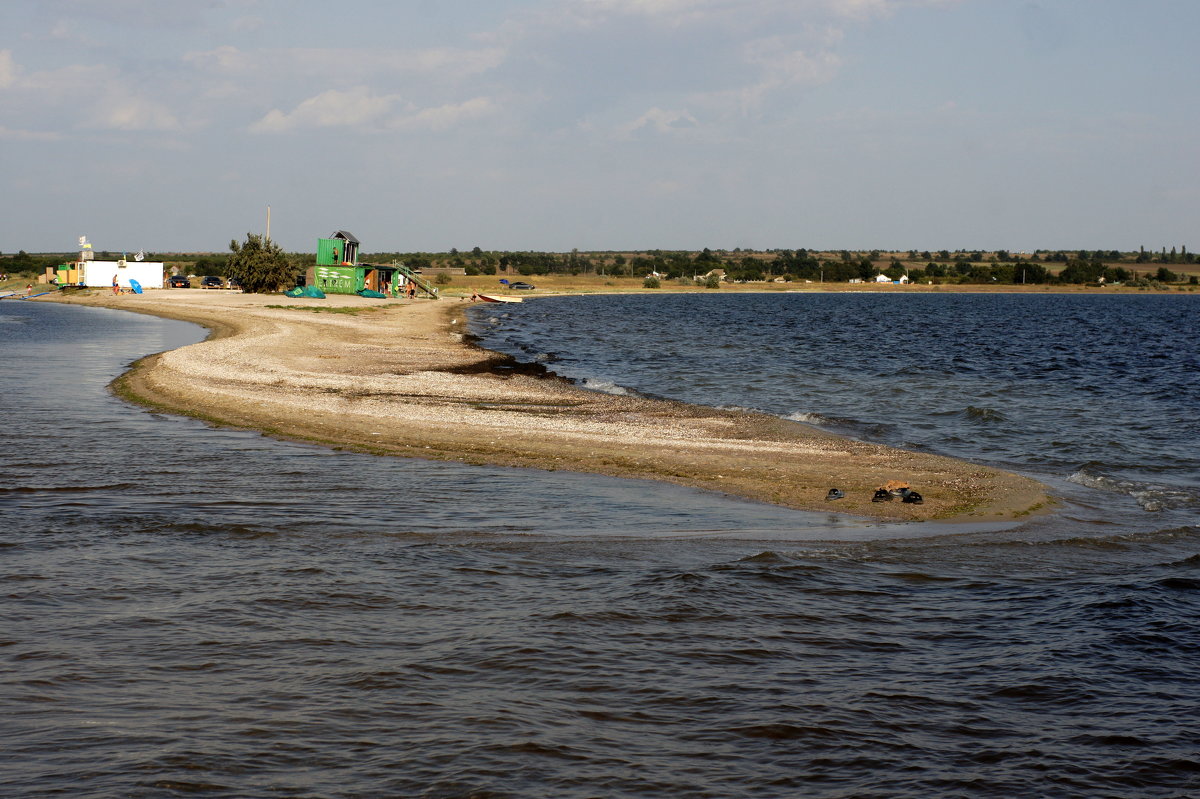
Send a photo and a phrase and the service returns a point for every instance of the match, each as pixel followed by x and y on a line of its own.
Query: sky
pixel 419 125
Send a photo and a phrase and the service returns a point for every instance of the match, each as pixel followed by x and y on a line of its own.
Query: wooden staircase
pixel 420 282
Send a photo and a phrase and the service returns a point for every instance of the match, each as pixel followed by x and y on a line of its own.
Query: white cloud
pixel 91 96
pixel 782 64
pixel 691 11
pixel 661 121
pixel 8 69
pixel 73 80
pixel 332 64
pixel 360 109
pixel 448 116
pixel 133 113
pixel 722 60
pixel 153 14
pixel 225 59
pixel 9 134
pixel 354 108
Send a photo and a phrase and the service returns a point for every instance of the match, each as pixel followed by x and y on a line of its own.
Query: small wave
pixel 1115 541
pixel 783 731
pixel 806 418
pixel 983 414
pixel 766 556
pixel 1180 583
pixel 189 787
pixel 1150 497
pixel 603 386
pixel 65 489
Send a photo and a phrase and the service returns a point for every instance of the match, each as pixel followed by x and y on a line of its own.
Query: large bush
pixel 260 265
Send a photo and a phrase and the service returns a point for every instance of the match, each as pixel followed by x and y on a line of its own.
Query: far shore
pixel 400 378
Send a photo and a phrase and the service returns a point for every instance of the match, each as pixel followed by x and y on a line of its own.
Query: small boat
pixel 497 298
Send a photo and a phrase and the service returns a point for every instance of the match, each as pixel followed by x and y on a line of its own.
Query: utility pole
pixel 268 224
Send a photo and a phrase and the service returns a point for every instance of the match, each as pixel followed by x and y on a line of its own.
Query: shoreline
pixel 404 378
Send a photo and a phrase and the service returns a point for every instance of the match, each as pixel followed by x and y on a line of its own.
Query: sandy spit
pixel 397 378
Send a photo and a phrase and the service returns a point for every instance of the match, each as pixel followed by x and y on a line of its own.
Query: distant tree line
pixel 943 266
pixel 738 265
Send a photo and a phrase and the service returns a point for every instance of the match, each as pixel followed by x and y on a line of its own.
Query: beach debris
pixel 897 488
pixel 834 493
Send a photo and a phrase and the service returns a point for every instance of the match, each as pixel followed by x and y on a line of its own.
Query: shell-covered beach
pixel 403 379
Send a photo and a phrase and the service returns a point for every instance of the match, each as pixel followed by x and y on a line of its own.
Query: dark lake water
pixel 198 612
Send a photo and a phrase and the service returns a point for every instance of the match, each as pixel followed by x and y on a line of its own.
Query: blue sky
pixel 601 124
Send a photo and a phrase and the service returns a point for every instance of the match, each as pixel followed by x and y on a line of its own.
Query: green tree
pixel 1080 271
pixel 713 281
pixel 260 265
pixel 21 262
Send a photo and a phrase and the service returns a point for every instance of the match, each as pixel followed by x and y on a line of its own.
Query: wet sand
pixel 401 378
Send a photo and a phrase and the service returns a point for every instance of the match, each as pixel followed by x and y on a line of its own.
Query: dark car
pixel 520 286
pixel 179 282
pixel 211 282
pixel 234 283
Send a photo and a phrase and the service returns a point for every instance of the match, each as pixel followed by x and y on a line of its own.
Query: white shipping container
pixel 100 273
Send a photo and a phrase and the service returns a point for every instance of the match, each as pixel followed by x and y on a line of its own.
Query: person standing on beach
pixel 116 286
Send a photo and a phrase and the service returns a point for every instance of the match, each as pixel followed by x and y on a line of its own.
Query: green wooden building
pixel 337 271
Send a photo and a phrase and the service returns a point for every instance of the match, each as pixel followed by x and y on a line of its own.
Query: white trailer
pixel 149 274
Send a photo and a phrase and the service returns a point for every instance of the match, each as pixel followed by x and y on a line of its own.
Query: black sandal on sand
pixel 882 495
pixel 834 493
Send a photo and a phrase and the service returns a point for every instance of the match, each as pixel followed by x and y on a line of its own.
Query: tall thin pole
pixel 268 224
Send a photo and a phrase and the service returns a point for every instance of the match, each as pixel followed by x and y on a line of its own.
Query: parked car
pixel 179 282
pixel 211 282
pixel 234 283
pixel 520 286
